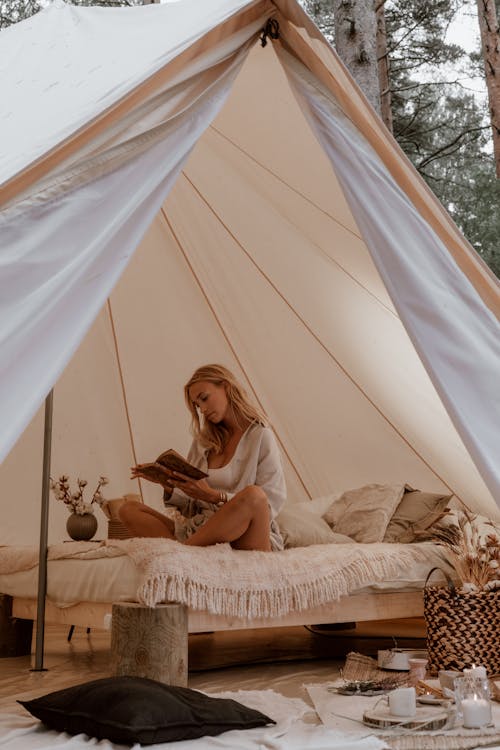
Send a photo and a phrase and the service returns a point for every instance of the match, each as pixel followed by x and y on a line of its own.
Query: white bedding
pixel 118 578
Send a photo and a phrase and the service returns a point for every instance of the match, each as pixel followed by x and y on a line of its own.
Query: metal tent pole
pixel 44 526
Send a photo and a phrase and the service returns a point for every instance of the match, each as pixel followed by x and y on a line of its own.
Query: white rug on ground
pixel 289 733
pixel 345 713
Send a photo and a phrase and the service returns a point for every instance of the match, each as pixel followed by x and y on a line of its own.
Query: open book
pixel 175 462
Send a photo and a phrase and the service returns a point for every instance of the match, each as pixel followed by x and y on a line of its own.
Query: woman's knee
pixel 255 497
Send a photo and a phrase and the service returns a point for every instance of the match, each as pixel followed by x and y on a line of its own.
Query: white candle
pixel 403 702
pixel 478 671
pixel 476 712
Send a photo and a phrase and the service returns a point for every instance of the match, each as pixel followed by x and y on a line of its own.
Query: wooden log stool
pixel 150 642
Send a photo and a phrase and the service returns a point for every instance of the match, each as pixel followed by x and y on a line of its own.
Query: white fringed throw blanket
pixel 237 583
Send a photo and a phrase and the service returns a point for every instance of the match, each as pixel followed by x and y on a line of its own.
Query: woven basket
pixel 111 509
pixel 117 530
pixel 462 627
pixel 359 667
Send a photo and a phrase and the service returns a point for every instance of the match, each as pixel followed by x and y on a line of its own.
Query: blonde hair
pixel 215 436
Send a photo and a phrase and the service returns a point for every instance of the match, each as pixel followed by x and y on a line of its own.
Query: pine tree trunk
pixel 356 44
pixel 490 42
pixel 383 67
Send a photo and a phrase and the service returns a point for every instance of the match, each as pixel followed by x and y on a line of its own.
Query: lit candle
pixel 476 712
pixel 403 702
pixel 478 671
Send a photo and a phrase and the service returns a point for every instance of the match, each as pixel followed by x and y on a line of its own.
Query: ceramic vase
pixel 81 528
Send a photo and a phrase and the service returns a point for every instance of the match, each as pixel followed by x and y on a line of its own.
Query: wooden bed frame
pixel 137 631
pixel 153 641
pixel 362 607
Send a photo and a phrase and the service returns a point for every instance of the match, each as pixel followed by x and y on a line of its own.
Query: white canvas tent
pixel 296 245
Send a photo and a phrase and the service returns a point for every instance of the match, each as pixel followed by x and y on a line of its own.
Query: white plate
pixel 431 700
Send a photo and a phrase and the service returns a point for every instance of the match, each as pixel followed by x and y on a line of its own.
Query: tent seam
pixel 319 341
pixel 329 259
pixel 124 393
pixel 233 351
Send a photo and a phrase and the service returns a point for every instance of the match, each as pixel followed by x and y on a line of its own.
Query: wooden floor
pixel 255 659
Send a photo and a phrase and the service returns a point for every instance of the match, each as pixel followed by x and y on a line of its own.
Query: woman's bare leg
pixel 243 521
pixel 141 520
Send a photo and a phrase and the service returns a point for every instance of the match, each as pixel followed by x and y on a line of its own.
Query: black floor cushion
pixel 134 709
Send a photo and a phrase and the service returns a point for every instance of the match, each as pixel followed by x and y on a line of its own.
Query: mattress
pixel 117 579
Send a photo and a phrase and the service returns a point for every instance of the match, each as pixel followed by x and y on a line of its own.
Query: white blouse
pixel 256 460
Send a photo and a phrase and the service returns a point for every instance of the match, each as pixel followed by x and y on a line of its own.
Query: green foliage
pixel 448 143
pixel 474 204
pixel 442 128
pixel 12 11
pixel 415 33
pixel 321 11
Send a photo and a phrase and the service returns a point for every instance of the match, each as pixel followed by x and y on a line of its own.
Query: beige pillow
pixel 301 527
pixel 319 505
pixel 364 513
pixel 416 512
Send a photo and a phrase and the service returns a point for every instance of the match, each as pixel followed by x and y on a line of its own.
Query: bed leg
pixel 150 642
pixel 15 634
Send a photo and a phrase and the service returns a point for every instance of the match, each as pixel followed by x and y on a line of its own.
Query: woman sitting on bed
pixel 245 487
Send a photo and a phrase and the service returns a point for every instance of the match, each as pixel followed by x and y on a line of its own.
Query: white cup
pixel 403 702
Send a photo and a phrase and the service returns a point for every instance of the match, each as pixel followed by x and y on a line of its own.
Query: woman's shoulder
pixel 261 433
pixel 257 428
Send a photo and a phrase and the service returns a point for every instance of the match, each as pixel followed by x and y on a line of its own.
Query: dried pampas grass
pixel 475 557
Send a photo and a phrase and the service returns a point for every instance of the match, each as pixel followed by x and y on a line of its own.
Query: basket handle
pixel 449 581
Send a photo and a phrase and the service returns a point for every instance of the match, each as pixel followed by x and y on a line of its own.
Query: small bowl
pixel 397 658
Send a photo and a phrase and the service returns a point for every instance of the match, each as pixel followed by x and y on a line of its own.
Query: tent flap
pixel 223 205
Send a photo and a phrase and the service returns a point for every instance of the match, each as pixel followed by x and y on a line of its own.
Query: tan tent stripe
pixel 106 119
pixel 284 182
pixel 228 341
pixel 354 105
pixel 317 339
pixel 124 392
pixel 325 213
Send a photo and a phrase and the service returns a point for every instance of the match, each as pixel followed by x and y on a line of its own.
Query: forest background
pixel 430 88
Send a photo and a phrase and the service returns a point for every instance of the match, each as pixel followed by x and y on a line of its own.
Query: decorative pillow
pixel 131 710
pixel 301 526
pixel 417 511
pixel 364 513
pixel 319 505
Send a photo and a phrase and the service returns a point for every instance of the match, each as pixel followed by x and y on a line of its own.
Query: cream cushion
pixel 301 524
pixel 364 513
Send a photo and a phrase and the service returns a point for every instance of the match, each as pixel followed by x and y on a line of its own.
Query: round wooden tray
pixel 426 718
